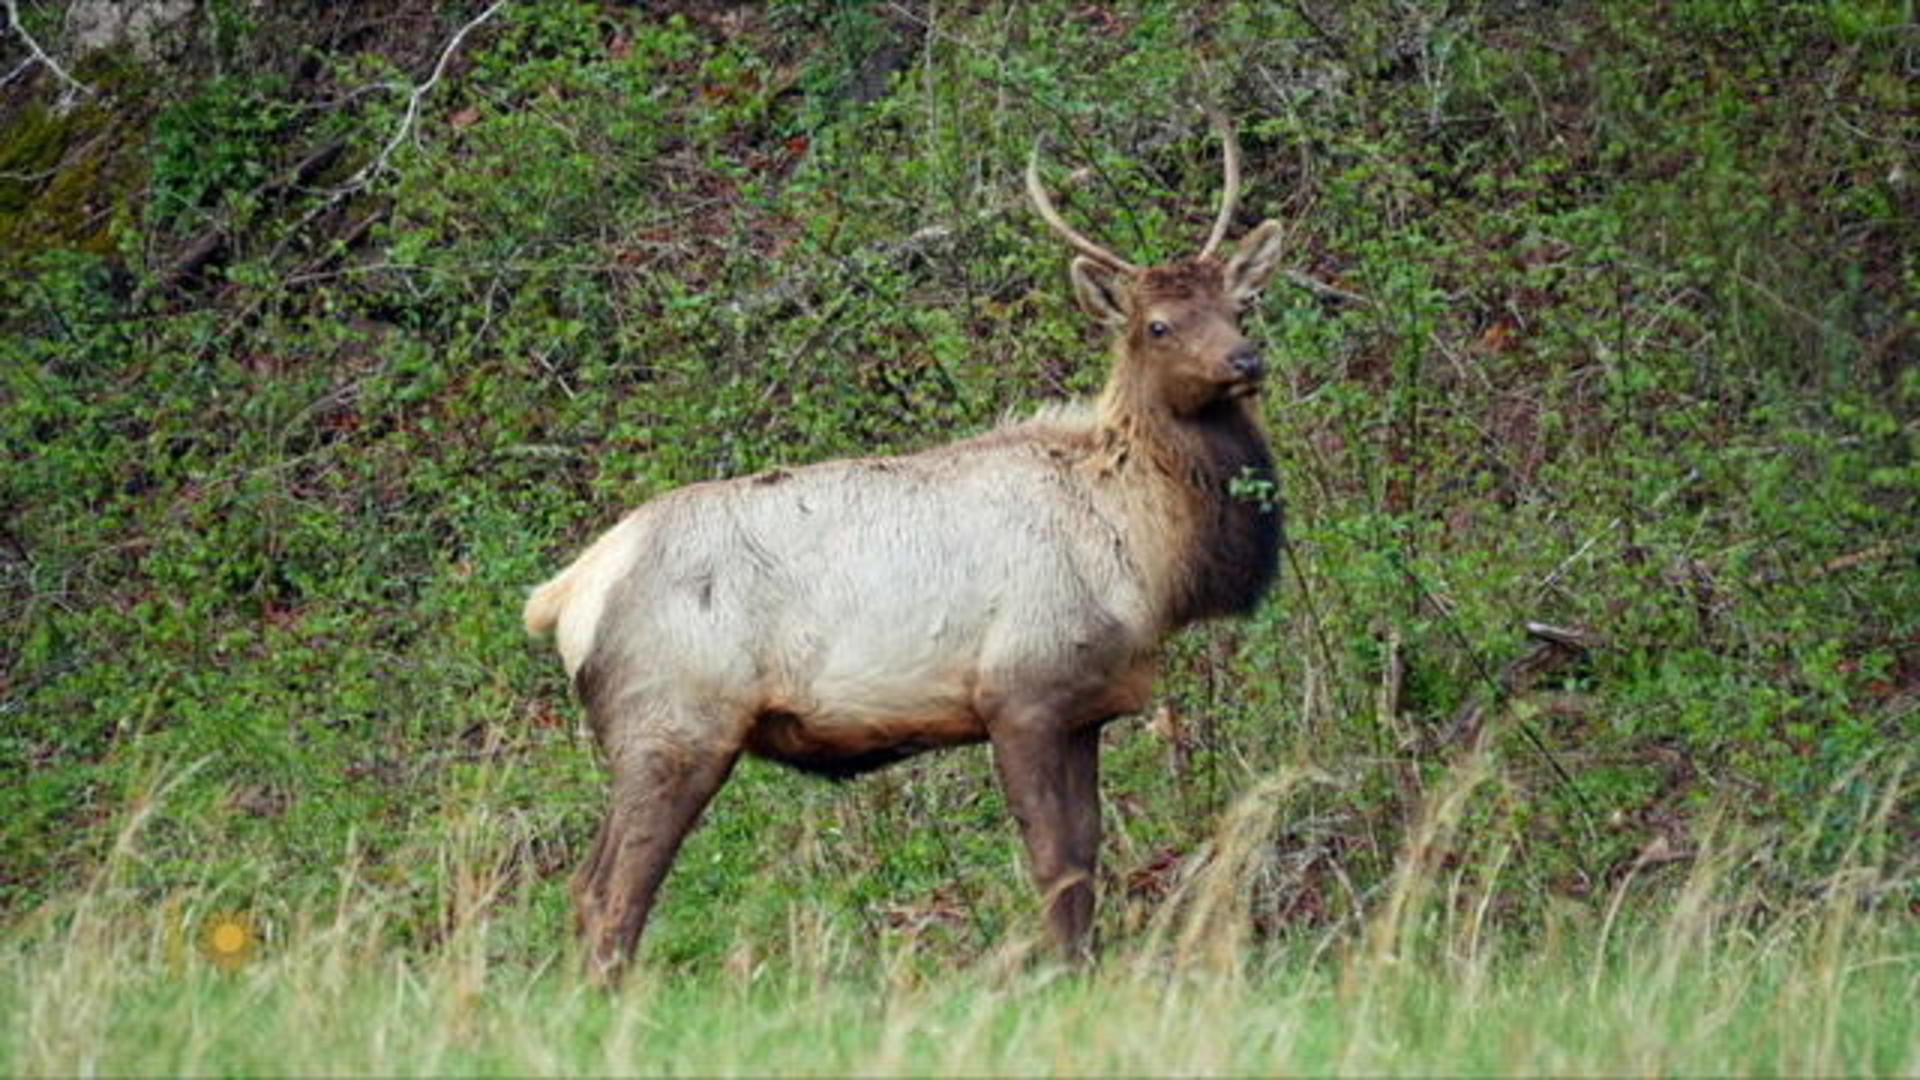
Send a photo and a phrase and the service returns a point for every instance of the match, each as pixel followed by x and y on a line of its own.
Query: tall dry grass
pixel 1719 970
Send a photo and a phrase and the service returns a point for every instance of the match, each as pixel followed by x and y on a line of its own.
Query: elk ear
pixel 1100 290
pixel 1253 262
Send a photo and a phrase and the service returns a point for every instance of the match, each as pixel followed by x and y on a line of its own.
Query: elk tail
pixel 545 603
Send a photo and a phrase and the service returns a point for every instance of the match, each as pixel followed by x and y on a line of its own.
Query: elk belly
pixel 840 746
pixel 881 690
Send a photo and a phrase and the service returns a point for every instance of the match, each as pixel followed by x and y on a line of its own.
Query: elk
pixel 1012 588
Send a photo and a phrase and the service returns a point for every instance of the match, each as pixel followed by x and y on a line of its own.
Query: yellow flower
pixel 227 939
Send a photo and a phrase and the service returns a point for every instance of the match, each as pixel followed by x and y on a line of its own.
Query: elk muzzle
pixel 1247 366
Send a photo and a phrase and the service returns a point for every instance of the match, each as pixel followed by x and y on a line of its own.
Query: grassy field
pixel 1699 975
pixel 326 330
pixel 1718 1008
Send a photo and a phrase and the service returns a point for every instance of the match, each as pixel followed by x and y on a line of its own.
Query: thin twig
pixel 799 286
pixel 1660 500
pixel 74 86
pixel 19 69
pixel 1323 290
pixel 1556 647
pixel 372 169
pixel 1554 636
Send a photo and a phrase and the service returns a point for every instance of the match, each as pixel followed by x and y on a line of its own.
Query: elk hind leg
pixel 664 770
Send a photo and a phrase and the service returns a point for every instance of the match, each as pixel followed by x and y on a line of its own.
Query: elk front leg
pixel 659 788
pixel 1052 782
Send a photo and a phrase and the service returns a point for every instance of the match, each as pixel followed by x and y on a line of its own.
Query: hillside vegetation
pixel 326 330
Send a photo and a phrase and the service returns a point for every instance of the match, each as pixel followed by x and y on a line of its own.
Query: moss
pixel 118 74
pixel 65 173
pixel 32 144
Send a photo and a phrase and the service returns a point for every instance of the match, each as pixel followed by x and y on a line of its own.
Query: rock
pixel 151 27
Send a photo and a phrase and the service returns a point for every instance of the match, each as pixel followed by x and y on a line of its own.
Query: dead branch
pixel 373 169
pixel 1555 647
pixel 797 287
pixel 1850 561
pixel 39 55
pixel 1325 291
pixel 1393 677
pixel 207 246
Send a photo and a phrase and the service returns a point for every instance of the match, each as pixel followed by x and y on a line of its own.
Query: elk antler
pixel 1230 154
pixel 1079 243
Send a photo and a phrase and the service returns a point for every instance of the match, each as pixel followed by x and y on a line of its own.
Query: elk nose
pixel 1246 361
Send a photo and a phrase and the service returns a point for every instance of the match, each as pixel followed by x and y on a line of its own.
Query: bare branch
pixel 210 244
pixel 19 69
pixel 14 25
pixel 1555 647
pixel 372 169
pixel 798 286
pixel 1323 290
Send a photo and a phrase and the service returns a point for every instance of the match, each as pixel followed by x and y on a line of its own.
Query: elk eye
pixel 1158 328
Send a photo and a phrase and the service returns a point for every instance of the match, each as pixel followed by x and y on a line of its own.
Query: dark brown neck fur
pixel 1227 555
pixel 1235 547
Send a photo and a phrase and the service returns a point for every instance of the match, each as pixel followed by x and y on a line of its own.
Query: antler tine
pixel 1230 195
pixel 1081 244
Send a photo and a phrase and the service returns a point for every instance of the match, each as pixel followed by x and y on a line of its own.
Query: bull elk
pixel 1012 588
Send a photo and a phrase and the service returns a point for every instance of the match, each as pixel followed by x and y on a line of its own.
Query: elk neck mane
pixel 1218 551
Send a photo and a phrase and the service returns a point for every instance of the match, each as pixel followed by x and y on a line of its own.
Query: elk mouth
pixel 1244 388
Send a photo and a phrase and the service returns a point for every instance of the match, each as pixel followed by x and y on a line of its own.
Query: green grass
pixel 1770 1008
pixel 1695 978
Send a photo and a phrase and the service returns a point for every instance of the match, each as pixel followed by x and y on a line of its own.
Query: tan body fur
pixel 1013 587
